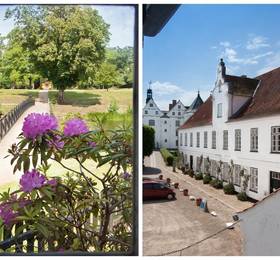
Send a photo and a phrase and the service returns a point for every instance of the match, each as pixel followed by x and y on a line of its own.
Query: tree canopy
pixel 64 44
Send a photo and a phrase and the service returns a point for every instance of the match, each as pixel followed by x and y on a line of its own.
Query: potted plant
pixel 198 201
pixel 186 192
pixel 160 177
pixel 176 185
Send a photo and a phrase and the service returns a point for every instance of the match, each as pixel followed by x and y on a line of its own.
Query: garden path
pixel 6 170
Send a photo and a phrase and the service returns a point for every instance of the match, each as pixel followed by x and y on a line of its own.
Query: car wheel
pixel 170 196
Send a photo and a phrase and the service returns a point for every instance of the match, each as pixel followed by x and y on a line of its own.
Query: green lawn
pixel 57 170
pixel 9 98
pixel 89 101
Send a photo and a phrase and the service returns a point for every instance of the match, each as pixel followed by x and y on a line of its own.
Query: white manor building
pixel 239 125
pixel 166 123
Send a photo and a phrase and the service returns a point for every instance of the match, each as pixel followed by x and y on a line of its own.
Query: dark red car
pixel 157 190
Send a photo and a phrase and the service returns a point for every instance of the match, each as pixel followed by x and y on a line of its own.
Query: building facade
pixel 260 227
pixel 237 130
pixel 166 123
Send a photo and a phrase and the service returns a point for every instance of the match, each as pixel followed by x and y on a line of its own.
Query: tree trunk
pixel 60 96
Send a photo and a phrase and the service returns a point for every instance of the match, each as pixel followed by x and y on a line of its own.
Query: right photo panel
pixel 211 130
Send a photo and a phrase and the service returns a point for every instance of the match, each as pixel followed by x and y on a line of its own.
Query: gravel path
pixel 6 170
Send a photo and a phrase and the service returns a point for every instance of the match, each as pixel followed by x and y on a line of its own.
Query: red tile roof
pixel 266 100
pixel 203 116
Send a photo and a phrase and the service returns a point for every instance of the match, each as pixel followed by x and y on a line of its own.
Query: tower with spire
pixel 149 92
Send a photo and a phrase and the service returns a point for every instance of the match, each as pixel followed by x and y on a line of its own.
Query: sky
pixel 184 56
pixel 120 19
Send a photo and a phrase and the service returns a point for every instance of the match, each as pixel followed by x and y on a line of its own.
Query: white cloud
pixel 165 92
pixel 231 56
pixel 213 47
pixel 225 44
pixel 270 64
pixel 121 21
pixel 256 42
pixel 165 88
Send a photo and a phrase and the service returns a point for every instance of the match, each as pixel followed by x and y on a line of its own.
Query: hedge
pixel 167 156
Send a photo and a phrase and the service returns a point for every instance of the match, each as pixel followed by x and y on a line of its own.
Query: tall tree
pixel 148 140
pixel 65 43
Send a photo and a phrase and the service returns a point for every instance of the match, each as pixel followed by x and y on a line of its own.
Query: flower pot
pixel 198 201
pixel 160 177
pixel 186 192
pixel 176 185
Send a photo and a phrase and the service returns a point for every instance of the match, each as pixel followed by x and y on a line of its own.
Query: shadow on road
pixel 150 201
pixel 151 170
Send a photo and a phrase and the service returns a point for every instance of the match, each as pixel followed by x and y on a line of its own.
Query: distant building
pixel 260 227
pixel 239 125
pixel 166 123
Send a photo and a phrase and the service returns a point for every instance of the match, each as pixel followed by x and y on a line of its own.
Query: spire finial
pixel 150 83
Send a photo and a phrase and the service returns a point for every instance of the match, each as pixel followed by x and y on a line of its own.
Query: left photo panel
pixel 68 129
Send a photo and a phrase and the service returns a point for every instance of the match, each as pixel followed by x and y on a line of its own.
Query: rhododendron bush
pixel 82 210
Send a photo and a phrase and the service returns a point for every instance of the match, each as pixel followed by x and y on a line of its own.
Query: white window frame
pixel 219 110
pixel 186 139
pixel 214 140
pixel 197 139
pixel 254 136
pixel 191 139
pixel 205 139
pixel 152 120
pixel 237 139
pixel 236 175
pixel 253 179
pixel 181 139
pixel 225 140
pixel 275 139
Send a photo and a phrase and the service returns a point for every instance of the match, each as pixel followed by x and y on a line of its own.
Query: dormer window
pixel 151 105
pixel 219 110
pixel 179 106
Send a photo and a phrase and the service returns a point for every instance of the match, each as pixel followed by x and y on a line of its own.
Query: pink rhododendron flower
pixel 7 214
pixel 92 144
pixel 56 142
pixel 36 124
pixel 31 180
pixel 75 127
pixel 52 182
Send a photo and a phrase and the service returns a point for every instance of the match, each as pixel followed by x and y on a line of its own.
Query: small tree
pixel 148 140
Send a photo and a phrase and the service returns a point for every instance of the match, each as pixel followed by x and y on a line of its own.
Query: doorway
pixel 274 181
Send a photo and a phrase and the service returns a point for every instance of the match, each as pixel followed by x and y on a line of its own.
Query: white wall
pixel 261 228
pixel 263 160
pixel 180 113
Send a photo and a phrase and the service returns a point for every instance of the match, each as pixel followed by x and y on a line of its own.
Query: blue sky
pixel 183 58
pixel 120 19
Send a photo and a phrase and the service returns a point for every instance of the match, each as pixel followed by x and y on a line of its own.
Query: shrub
pixel 229 189
pixel 199 176
pixel 191 173
pixel 206 179
pixel 242 196
pixel 167 156
pixel 57 208
pixel 217 184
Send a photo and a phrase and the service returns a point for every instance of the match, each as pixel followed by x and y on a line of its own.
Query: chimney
pixel 174 102
pixel 170 106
